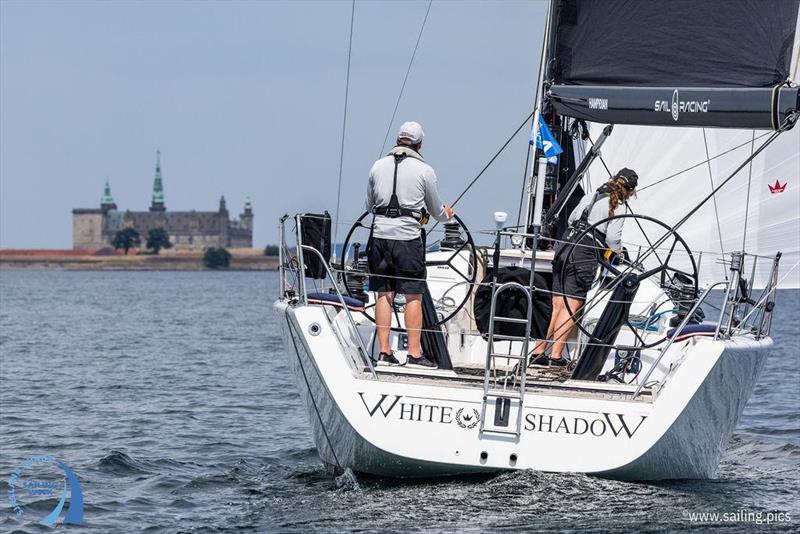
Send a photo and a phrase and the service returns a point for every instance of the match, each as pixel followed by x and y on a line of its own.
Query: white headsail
pixel 763 199
pixel 690 103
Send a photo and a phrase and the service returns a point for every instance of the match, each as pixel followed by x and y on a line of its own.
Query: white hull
pixel 403 425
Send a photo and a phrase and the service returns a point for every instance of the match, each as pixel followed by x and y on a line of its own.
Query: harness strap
pixel 585 215
pixel 393 202
pixel 394 210
pixel 599 237
pixel 579 226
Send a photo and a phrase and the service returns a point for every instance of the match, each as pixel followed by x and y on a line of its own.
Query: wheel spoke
pixel 609 266
pixel 676 270
pixel 468 244
pixel 662 252
pixel 462 275
pixel 457 252
pixel 651 272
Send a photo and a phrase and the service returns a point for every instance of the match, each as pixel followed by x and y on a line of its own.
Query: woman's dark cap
pixel 629 176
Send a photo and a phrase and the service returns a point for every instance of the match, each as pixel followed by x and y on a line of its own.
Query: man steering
pixel 401 193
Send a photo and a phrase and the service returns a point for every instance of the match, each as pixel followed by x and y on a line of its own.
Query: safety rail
pixel 303 294
pixel 677 332
pixel 729 309
pixel 761 311
pixel 755 317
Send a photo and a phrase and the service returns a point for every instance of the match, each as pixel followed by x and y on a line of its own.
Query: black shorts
pixel 573 276
pixel 397 266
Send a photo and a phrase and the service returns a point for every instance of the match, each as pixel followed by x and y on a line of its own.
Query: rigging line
pixel 344 122
pixel 524 175
pixel 758 151
pixel 644 234
pixel 589 137
pixel 687 169
pixel 597 298
pixel 464 192
pixel 747 204
pixel 764 297
pixel 408 71
pixel 310 394
pixel 627 206
pixel 508 141
pixel 714 198
pixel 525 193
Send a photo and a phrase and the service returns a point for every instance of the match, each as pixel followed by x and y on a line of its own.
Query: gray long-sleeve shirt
pixel 612 229
pixel 416 187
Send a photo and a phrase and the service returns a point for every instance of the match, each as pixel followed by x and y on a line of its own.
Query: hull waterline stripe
pixel 310 394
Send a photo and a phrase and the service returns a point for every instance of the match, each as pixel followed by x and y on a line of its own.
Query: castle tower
pixel 107 201
pixel 247 215
pixel 158 187
pixel 223 208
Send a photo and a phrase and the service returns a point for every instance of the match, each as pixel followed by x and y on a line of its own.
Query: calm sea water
pixel 168 394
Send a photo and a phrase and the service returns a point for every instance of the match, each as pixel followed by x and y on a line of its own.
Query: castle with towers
pixel 95 228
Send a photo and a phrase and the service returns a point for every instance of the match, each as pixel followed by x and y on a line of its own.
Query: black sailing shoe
pixel 559 362
pixel 541 359
pixel 387 358
pixel 422 362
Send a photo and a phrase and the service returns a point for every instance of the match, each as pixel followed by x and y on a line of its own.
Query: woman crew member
pixel 578 274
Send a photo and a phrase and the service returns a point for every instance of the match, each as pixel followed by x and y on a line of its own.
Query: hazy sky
pixel 246 97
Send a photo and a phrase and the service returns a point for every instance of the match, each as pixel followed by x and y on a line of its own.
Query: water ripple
pixel 169 395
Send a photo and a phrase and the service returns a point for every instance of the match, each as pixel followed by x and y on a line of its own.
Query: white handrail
pixel 363 349
pixel 677 332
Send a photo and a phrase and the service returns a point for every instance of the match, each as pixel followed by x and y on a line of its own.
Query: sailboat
pixel 702 102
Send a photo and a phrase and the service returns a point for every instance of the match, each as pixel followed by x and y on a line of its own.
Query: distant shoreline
pixel 85 260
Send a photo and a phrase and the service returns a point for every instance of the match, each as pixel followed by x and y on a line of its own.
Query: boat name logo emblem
pixel 399 408
pixel 468 420
pixel 777 188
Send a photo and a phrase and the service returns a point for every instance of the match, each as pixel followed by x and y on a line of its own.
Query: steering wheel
pixel 468 277
pixel 630 271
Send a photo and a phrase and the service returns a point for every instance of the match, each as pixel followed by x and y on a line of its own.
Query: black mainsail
pixel 672 64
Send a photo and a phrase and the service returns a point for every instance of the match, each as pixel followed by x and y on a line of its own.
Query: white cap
pixel 411 132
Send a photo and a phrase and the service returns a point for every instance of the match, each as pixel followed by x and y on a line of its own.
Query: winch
pixel 357 274
pixel 452 236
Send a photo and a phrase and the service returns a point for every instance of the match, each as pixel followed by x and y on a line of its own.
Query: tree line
pixel 158 239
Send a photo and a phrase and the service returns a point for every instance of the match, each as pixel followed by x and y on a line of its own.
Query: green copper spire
pixel 107 201
pixel 248 205
pixel 106 198
pixel 158 187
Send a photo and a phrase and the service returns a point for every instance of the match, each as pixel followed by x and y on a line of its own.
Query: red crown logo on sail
pixel 777 188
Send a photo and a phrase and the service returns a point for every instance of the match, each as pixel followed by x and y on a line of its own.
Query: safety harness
pixel 393 210
pixel 580 225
